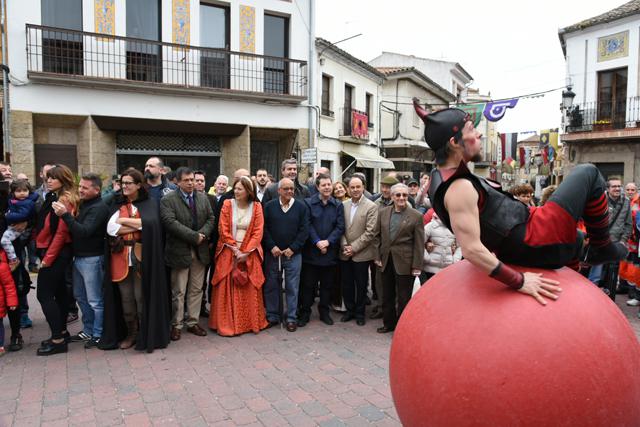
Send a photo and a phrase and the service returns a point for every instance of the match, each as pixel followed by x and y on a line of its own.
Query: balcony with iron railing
pixel 355 124
pixel 71 57
pixel 604 116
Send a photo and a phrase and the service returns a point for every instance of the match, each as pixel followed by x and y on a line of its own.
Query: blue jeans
pixel 291 268
pixel 88 273
pixel 595 274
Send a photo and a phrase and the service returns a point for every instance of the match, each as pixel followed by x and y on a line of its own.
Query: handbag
pixel 239 274
pixel 116 244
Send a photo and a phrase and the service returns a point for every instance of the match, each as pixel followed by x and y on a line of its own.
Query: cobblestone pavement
pixel 319 375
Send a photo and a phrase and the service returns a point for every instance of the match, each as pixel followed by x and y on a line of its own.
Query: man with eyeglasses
pixel 286 227
pixel 619 223
pixel 401 251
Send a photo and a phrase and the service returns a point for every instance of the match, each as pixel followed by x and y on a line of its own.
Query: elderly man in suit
pixel 401 251
pixel 358 249
pixel 188 220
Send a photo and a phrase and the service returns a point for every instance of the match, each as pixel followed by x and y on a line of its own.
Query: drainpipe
pixel 5 87
pixel 312 78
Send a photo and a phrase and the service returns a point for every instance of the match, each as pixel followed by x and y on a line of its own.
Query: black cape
pixel 156 316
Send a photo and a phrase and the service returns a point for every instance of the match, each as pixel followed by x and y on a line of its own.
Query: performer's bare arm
pixel 461 201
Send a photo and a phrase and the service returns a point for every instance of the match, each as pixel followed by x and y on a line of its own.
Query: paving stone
pixel 322 376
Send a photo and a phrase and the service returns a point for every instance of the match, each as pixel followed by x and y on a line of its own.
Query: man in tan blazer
pixel 401 250
pixel 358 249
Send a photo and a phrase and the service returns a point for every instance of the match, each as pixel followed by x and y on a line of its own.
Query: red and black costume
pixel 543 237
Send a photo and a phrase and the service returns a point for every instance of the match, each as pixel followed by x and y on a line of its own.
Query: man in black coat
pixel 87 232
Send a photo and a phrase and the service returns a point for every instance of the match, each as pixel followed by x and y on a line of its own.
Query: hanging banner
pixel 509 142
pixel 549 137
pixel 521 154
pixel 494 111
pixel 359 124
pixel 474 110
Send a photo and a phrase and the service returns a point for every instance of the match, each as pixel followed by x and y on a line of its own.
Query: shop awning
pixel 366 158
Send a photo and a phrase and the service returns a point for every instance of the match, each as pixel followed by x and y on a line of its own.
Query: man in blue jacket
pixel 286 227
pixel 320 254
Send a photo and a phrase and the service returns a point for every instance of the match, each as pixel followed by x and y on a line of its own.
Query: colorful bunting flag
pixel 474 110
pixel 495 110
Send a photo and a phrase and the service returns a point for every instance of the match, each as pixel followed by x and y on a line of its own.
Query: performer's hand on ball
pixel 539 287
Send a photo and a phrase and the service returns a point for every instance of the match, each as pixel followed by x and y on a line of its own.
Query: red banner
pixel 359 124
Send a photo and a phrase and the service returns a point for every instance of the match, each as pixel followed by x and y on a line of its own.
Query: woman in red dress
pixel 237 305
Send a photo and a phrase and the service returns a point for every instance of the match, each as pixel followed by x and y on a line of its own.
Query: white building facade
pixel 449 75
pixel 602 126
pixel 348 94
pixel 402 133
pixel 104 84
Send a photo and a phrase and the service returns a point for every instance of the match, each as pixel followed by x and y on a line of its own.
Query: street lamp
pixel 567 98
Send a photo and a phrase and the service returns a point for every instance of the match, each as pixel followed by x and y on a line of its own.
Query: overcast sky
pixel 510 47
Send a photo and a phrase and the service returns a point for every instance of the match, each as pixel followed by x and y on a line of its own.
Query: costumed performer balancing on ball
pixel 492 227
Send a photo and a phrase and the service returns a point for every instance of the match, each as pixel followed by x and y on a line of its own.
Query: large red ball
pixel 468 351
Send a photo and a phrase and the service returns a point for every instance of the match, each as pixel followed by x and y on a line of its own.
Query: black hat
pixel 441 125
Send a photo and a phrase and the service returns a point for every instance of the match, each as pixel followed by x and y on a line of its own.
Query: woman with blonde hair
pixel 53 243
pixel 237 305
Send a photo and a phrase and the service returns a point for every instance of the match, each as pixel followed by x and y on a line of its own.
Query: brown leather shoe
pixel 291 326
pixel 197 330
pixel 175 334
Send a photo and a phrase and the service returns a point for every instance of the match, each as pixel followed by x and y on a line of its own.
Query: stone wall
pixel 611 152
pixel 96 149
pixel 236 153
pixel 22 153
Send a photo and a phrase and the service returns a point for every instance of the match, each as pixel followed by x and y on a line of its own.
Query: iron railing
pixel 99 57
pixel 605 115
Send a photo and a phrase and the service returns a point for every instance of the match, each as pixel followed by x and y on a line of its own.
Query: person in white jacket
pixel 441 249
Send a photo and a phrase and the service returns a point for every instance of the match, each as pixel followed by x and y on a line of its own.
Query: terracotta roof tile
pixel 627 9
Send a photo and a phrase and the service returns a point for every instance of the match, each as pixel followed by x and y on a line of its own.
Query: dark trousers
pixel 336 288
pixel 71 300
pixel 424 276
pixel 393 285
pixel 311 275
pixel 583 185
pixel 14 321
pixel 52 293
pixel 354 286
